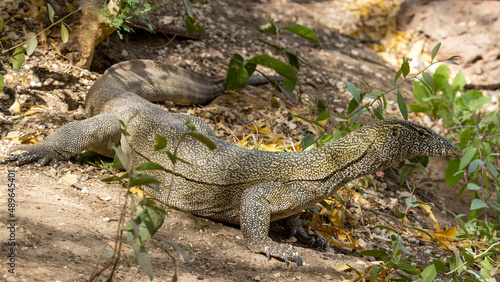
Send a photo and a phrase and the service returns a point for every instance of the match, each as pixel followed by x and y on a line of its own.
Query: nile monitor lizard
pixel 250 188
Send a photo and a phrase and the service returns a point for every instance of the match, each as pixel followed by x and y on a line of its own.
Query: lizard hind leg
pixel 255 222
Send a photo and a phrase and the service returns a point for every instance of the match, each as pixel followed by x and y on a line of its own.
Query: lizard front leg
pixel 97 134
pixel 256 209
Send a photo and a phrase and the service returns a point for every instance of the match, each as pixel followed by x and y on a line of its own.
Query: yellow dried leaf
pixel 343 268
pixel 15 108
pixel 108 198
pixel 35 110
pixel 428 210
pixel 449 234
pixel 136 190
pixel 243 142
pixel 336 218
pixel 269 148
pixel 69 179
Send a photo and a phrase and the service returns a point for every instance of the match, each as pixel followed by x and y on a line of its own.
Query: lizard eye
pixel 395 132
pixel 421 133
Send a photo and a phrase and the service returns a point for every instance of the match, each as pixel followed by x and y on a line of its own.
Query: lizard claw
pixel 298 259
pixel 285 258
pixel 268 254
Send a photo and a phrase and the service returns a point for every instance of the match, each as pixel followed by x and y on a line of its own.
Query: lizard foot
pixel 273 249
pixel 313 241
pixel 38 153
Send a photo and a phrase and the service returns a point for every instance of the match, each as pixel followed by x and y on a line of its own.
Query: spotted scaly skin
pixel 230 184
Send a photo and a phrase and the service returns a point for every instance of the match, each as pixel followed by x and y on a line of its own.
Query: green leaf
pixel 293 60
pixel 2 83
pixel 353 104
pixel 373 253
pixel 302 31
pixel 374 94
pixel 143 259
pixel 320 104
pixel 269 27
pixel 495 205
pixel 324 115
pixel 18 58
pixel 64 33
pixel 203 139
pixel 441 77
pixel 123 158
pixel 473 186
pixel 307 141
pixel 450 173
pixel 435 51
pixel 467 157
pixel 468 257
pixel 409 169
pixel 491 168
pixel 357 114
pixel 139 179
pixel 477 204
pixel 31 45
pixel 178 248
pixel 289 76
pixel 51 12
pixel 161 143
pixel 325 205
pixel 405 68
pixel 354 92
pixel 428 274
pixel 418 108
pixel 439 264
pixel 373 272
pixel 411 202
pixel 399 213
pixel 408 268
pixel 69 6
pixel 149 166
pixel 191 24
pixel 459 82
pixel 1 24
pixel 289 94
pixel 238 72
pixel 114 178
pixel 428 79
pixel 398 74
pixel 402 105
pixel 464 138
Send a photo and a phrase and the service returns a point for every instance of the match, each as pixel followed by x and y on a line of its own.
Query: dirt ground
pixel 62 229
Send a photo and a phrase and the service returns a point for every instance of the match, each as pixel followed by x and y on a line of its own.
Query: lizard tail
pixel 259 80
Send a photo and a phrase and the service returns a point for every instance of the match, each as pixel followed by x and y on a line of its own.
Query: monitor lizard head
pixel 398 140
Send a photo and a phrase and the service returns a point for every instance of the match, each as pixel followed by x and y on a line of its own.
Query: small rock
pixel 256 278
pixel 12 36
pixel 413 240
pixel 405 194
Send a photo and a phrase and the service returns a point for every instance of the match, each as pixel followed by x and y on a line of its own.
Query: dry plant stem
pixel 117 247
